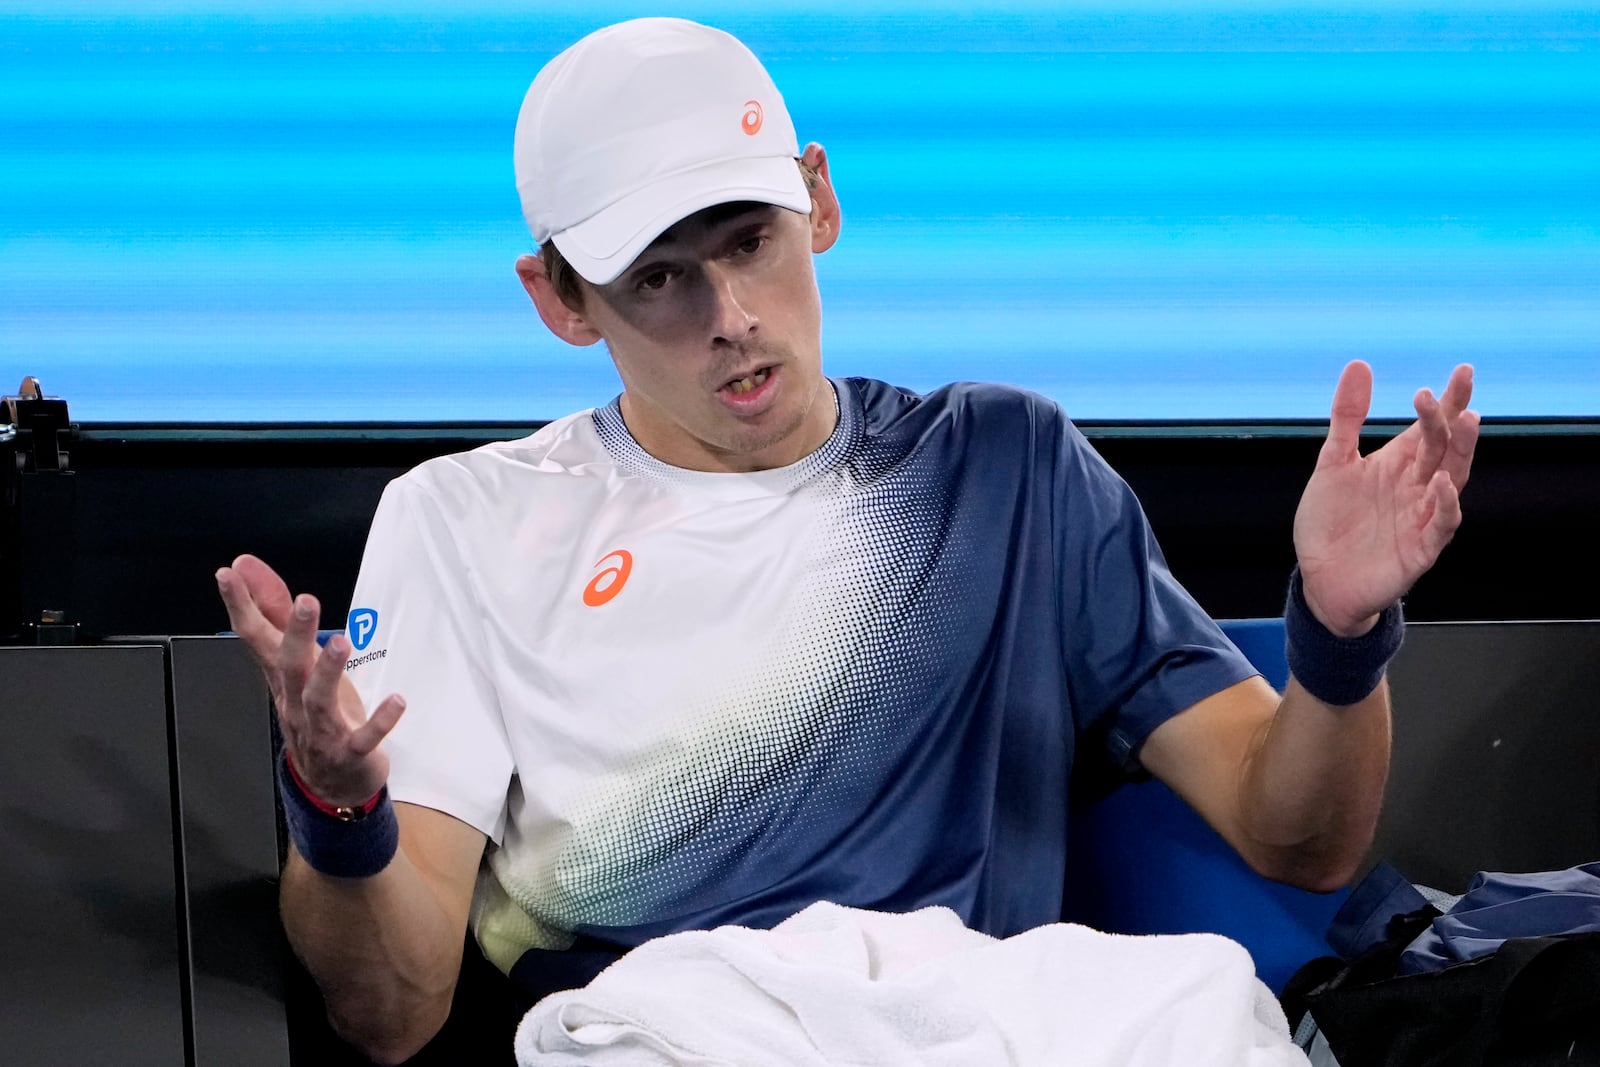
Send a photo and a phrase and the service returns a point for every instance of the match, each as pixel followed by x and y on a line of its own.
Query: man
pixel 749 638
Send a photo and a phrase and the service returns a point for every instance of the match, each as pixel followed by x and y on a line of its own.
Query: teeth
pixel 744 385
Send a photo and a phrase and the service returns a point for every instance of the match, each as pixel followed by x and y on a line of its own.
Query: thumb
pixel 1352 398
pixel 270 592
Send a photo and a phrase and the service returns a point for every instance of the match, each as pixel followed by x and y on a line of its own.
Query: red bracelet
pixel 342 813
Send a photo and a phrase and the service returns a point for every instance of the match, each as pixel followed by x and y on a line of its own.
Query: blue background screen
pixel 295 211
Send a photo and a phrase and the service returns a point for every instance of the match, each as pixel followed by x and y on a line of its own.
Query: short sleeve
pixel 1139 648
pixel 415 630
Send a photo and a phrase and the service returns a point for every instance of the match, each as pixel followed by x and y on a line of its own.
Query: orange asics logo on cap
pixel 751 123
pixel 609 582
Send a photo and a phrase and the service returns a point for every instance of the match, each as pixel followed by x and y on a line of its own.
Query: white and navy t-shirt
pixel 675 699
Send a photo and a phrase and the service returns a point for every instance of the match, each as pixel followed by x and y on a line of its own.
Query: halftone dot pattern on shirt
pixel 613 432
pixel 862 680
pixel 781 757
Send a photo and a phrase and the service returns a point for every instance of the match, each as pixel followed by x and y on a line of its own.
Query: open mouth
pixel 751 381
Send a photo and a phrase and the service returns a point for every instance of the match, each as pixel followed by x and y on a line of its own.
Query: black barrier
pixel 89 899
pixel 141 848
pixel 138 908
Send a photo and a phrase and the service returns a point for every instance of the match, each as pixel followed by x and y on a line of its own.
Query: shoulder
pixel 1006 406
pixel 975 415
pixel 565 448
pixel 978 398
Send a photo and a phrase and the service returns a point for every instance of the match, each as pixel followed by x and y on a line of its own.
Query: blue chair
pixel 1145 863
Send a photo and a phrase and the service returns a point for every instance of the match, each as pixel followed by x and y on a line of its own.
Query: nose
pixel 732 321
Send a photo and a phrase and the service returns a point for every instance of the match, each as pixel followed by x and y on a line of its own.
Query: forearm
pixel 1313 787
pixel 384 950
pixel 378 912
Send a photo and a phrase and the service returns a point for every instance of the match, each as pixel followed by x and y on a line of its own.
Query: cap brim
pixel 601 246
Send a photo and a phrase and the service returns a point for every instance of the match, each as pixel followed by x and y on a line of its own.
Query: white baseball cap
pixel 640 125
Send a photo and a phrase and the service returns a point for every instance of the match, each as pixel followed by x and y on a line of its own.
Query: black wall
pixel 1493 757
pixel 150 513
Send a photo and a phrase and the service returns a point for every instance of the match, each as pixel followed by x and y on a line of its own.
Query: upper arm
pixel 1202 753
pixel 1136 645
pixel 427 640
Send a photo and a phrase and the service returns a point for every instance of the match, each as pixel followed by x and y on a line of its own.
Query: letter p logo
pixel 362 625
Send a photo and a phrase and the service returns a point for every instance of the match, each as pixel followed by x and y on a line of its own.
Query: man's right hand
pixel 331 740
pixel 384 949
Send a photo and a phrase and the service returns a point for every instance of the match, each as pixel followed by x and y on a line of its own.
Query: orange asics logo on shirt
pixel 751 123
pixel 609 582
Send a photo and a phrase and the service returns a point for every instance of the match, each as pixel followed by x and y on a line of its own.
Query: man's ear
pixel 565 323
pixel 825 217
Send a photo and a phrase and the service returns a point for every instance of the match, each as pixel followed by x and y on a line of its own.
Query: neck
pixel 671 445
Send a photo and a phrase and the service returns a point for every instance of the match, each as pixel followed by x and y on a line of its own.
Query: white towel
pixel 835 986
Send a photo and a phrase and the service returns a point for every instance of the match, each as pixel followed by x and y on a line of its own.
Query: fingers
pixel 1457 461
pixel 320 698
pixel 1435 434
pixel 1445 518
pixel 297 654
pixel 334 753
pixel 266 588
pixel 258 605
pixel 1463 445
pixel 1457 392
pixel 298 650
pixel 367 736
pixel 1449 432
pixel 1352 398
pixel 329 735
pixel 245 617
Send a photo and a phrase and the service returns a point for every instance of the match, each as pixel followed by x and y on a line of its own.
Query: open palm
pixel 1369 526
pixel 332 741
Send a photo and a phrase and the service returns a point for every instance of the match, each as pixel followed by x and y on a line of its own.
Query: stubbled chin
pixel 788 438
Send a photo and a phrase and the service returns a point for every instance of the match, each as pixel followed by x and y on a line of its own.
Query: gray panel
pixel 221 718
pixel 1496 750
pixel 88 897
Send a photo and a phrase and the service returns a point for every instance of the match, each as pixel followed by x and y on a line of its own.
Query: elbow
pixel 388 1054
pixel 1307 868
pixel 385 1040
pixel 1322 881
pixel 1322 857
pixel 386 1050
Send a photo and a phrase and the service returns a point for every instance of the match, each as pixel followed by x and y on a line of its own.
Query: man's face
pixel 716 332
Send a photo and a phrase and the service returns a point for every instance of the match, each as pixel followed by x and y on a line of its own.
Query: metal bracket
pixel 39 424
pixel 38 490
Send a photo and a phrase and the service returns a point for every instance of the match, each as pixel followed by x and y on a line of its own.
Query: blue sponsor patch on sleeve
pixel 361 627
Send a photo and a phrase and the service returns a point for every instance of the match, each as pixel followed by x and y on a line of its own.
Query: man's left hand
pixel 1369 526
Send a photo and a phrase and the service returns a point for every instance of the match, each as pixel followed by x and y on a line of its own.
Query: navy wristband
pixel 357 848
pixel 1337 670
